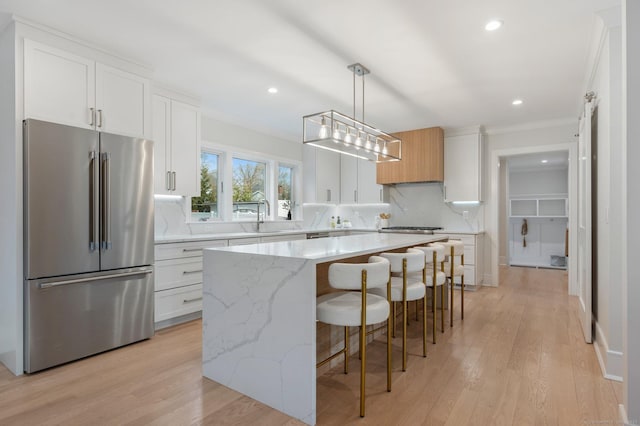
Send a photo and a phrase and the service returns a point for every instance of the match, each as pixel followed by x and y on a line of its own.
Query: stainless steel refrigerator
pixel 88 242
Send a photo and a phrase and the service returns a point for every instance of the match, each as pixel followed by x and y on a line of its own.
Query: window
pixel 206 206
pixel 285 187
pixel 249 189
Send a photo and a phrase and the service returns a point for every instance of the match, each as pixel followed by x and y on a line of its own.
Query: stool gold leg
pixel 363 335
pixel 433 305
pixel 346 350
pixel 404 314
pixel 393 320
pixel 462 297
pixel 424 324
pixel 389 337
pixel 451 312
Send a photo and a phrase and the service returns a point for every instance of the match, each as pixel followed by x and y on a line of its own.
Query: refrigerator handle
pixel 106 201
pixel 91 279
pixel 92 201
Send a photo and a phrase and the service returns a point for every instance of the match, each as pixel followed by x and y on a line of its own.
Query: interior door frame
pixel 494 223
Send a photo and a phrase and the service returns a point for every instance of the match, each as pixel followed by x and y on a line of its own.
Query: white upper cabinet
pixel 463 167
pixel 58 86
pixel 321 175
pixel 176 136
pixel 122 102
pixel 348 179
pixel 66 88
pixel 358 181
pixel 368 190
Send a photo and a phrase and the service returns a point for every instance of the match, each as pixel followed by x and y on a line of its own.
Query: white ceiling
pixel 432 62
pixel 527 162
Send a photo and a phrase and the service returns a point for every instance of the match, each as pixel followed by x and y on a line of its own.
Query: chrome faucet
pixel 267 212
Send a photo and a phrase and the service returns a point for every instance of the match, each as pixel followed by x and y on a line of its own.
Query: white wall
pixel 10 211
pixel 631 147
pixel 231 135
pixel 538 182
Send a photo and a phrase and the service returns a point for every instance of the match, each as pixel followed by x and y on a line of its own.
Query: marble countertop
pixel 452 231
pixel 166 239
pixel 333 248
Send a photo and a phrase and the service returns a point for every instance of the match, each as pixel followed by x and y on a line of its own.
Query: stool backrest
pixel 458 247
pixel 348 276
pixel 415 260
pixel 429 252
pixel 441 251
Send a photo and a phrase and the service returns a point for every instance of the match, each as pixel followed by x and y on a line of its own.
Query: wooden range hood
pixel 422 158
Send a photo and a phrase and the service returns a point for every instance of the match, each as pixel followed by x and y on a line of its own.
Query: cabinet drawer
pixel 178 273
pixel 177 302
pixel 190 249
pixel 288 237
pixel 469 255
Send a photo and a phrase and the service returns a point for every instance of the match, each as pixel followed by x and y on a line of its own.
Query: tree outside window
pixel 249 179
pixel 205 206
pixel 285 177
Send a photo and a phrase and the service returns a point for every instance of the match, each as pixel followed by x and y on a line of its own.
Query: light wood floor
pixel 518 359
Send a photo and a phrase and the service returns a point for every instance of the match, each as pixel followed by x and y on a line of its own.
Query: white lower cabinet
pixel 473 260
pixel 178 280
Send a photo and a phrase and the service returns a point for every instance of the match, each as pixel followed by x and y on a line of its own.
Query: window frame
pixel 226 154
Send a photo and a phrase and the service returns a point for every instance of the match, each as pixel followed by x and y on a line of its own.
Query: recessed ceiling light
pixel 516 102
pixel 493 25
pixel 272 90
pixel 544 161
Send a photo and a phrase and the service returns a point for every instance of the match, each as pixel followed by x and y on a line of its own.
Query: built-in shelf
pixel 538 207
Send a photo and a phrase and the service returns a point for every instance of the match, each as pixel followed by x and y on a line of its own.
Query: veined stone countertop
pixel 451 231
pixel 183 238
pixel 335 248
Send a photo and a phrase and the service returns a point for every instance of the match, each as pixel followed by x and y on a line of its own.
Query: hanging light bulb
pixel 347 137
pixel 324 129
pixel 367 144
pixel 336 133
pixel 385 151
pixel 376 148
pixel 358 141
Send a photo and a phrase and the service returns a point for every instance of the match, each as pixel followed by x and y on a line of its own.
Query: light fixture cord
pixel 354 93
pixel 363 98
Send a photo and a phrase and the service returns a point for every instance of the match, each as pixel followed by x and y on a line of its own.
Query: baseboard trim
pixel 610 361
pixel 178 320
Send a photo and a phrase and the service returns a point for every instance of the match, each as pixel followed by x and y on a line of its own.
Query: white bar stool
pixel 455 268
pixel 434 256
pixel 357 308
pixel 405 288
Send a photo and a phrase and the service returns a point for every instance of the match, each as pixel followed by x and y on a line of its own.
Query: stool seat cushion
pixel 344 308
pixel 415 289
pixel 458 270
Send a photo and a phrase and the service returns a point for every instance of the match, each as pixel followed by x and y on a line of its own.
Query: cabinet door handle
pixel 195 271
pixel 92 115
pixel 167 181
pixel 355 195
pixel 195 299
pixel 100 118
pixel 328 195
pixel 174 181
pixel 380 194
pixel 445 192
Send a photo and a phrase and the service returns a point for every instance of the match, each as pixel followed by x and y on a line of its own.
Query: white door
pixel 122 102
pixel 584 222
pixel 58 86
pixel 161 144
pixel 185 149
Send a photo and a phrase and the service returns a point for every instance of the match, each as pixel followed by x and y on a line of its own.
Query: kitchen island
pixel 259 314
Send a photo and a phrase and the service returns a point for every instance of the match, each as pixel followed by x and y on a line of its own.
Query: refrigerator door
pixel 60 200
pixel 68 318
pixel 126 205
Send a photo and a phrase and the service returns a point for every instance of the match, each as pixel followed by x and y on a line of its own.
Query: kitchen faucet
pixel 267 212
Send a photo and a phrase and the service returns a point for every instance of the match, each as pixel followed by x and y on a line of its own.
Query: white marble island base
pixel 259 315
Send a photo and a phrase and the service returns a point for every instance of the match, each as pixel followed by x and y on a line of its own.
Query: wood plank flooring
pixel 518 359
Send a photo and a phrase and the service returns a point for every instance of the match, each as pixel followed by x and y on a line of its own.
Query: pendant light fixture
pixel 338 132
